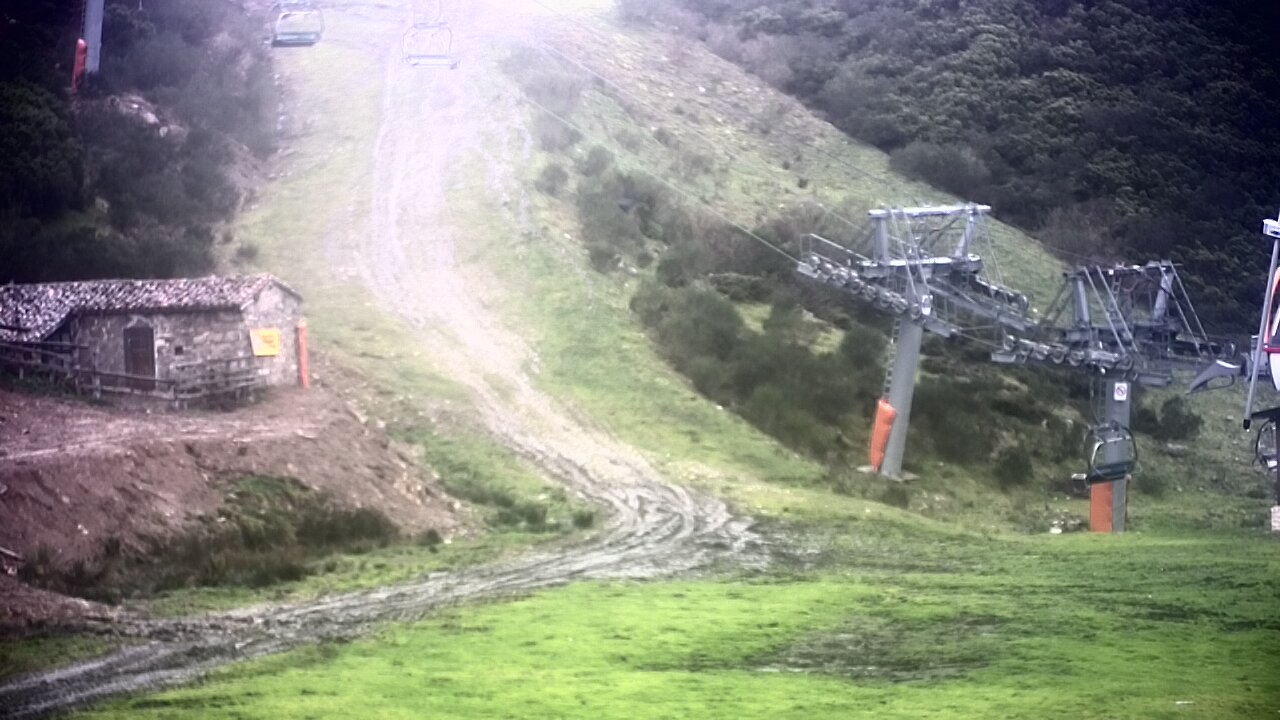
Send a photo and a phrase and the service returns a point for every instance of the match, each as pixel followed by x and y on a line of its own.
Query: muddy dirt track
pixel 406 257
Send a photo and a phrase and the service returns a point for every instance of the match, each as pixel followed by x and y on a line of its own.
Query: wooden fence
pixel 234 378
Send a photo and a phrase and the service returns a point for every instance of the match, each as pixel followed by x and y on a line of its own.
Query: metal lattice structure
pixel 1128 323
pixel 1136 320
pixel 918 264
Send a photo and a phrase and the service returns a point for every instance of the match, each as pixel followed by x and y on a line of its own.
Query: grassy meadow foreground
pixel 891 618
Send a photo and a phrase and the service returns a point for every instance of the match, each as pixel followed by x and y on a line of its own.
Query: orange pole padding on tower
pixel 1100 499
pixel 304 364
pixel 885 415
pixel 77 68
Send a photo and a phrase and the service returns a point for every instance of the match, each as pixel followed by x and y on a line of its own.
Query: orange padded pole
pixel 885 415
pixel 304 374
pixel 1100 498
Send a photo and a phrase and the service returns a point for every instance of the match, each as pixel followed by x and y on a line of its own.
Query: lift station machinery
pixel 1122 324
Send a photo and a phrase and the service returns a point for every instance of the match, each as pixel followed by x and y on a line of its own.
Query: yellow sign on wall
pixel 265 341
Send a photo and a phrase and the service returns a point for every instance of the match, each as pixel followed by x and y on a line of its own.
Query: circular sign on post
pixel 1120 392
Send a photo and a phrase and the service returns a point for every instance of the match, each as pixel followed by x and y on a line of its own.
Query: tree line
pixel 1112 129
pixel 132 176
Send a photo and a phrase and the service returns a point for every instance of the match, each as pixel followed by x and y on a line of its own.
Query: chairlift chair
pixel 1112 453
pixel 430 45
pixel 1265 450
pixel 297 23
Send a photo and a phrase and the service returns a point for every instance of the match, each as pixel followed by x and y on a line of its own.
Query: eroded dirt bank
pixel 74 477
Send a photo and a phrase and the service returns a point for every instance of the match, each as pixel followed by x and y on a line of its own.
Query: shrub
pixel 1013 467
pixel 602 256
pixel 597 160
pixel 691 165
pixel 897 495
pixel 741 288
pixel 556 88
pixel 678 268
pixel 1152 484
pixel 945 413
pixel 863 346
pixel 583 519
pixel 247 253
pixel 41 162
pixel 551 180
pixel 956 169
pixel 1178 421
pixel 1175 421
pixel 553 135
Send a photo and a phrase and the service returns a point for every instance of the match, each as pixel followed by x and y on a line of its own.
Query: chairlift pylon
pixel 429 45
pixel 296 23
pixel 1111 452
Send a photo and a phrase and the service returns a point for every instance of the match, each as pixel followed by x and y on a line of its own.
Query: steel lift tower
pixel 1122 324
pixel 92 34
pixel 918 265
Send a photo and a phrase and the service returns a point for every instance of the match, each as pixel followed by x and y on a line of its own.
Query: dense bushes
pixel 1175 421
pixel 772 378
pixel 268 531
pixel 41 161
pixel 1135 118
pixel 132 182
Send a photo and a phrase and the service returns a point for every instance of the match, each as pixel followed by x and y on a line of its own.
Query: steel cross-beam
pixel 1129 323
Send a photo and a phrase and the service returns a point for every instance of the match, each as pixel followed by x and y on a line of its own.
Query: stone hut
pixel 169 337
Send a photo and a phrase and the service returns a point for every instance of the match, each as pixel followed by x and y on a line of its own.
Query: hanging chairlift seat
pixel 1113 454
pixel 297 24
pixel 430 45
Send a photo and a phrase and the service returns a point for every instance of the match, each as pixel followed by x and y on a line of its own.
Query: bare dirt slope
pixel 406 253
pixel 72 475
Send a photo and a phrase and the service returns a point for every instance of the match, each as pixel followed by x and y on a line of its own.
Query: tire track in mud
pixel 407 261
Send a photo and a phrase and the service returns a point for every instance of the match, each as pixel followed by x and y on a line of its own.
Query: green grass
pixel 896 621
pixel 21 654
pixel 503 491
pixel 343 572
pixel 589 347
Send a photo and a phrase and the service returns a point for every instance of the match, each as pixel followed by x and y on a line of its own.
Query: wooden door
pixel 140 357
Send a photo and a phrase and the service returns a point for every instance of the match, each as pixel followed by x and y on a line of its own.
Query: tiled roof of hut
pixel 31 313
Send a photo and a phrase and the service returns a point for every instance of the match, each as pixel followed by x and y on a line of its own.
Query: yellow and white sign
pixel 265 341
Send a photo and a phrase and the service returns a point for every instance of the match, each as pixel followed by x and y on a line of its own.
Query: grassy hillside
pixel 1114 128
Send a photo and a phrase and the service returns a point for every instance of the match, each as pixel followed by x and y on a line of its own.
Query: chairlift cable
pixel 826 153
pixel 648 105
pixel 707 140
pixel 683 193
